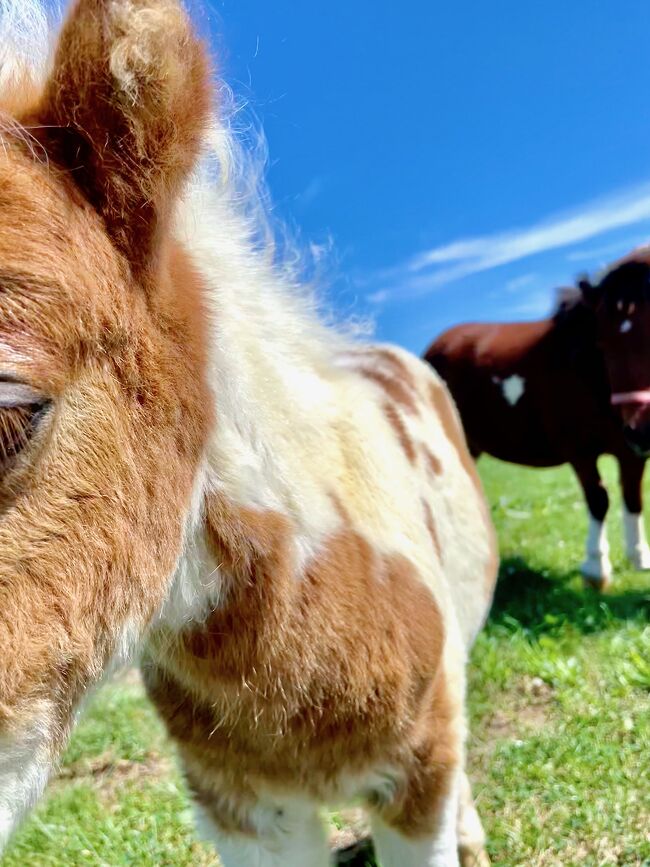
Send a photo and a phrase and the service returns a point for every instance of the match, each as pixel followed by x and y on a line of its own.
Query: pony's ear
pixel 124 111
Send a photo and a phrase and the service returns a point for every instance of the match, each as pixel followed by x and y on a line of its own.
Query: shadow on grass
pixel 545 602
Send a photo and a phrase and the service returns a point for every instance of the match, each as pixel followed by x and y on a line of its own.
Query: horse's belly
pixel 514 433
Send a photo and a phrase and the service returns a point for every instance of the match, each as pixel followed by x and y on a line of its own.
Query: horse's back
pixel 487 345
pixel 513 385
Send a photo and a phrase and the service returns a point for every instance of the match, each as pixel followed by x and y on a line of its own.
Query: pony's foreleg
pixel 437 848
pixel 458 838
pixel 424 823
pixel 471 836
pixel 636 545
pixel 26 759
pixel 269 834
pixel 597 567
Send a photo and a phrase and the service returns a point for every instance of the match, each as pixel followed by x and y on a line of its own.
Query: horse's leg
pixel 418 826
pixel 636 546
pixel 265 834
pixel 471 836
pixel 597 567
pixel 248 830
pixel 397 846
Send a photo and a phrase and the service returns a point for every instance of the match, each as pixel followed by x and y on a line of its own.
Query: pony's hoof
pixel 640 559
pixel 470 856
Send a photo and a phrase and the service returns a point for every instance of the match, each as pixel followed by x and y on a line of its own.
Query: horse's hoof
pixel 596 573
pixel 473 857
pixel 597 583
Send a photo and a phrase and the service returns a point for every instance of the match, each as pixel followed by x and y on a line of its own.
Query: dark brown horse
pixel 566 390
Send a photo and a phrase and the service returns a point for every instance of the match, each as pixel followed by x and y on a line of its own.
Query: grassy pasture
pixel 559 701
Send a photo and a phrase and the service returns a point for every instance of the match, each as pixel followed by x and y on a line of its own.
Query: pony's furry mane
pixel 25 42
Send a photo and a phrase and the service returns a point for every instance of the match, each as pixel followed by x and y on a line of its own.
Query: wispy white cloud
pixel 431 269
pixel 604 251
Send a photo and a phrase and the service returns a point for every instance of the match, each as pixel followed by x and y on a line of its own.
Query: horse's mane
pixel 575 327
pixel 570 307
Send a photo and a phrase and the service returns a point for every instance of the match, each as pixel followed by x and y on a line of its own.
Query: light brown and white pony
pixel 284 524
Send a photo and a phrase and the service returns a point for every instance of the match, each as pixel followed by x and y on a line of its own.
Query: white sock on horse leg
pixel 597 565
pixel 636 545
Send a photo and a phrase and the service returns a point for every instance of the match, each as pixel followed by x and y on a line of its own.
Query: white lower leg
pixel 439 849
pixel 597 565
pixel 283 835
pixel 471 836
pixel 636 545
pixel 25 765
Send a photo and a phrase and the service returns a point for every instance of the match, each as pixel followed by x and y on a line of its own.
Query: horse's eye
pixel 21 408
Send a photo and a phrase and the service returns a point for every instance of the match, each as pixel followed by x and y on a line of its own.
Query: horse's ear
pixel 588 290
pixel 124 111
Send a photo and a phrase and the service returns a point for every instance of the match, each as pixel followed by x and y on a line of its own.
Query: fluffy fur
pixel 287 523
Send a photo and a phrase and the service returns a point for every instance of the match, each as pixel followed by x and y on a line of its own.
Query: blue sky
pixel 462 159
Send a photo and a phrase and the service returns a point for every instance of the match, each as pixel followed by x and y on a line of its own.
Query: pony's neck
pixel 270 355
pixel 272 372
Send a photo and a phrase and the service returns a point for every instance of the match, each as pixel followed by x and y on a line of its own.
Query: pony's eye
pixel 18 394
pixel 21 408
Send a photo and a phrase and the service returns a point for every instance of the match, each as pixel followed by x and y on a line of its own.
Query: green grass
pixel 118 798
pixel 560 685
pixel 559 701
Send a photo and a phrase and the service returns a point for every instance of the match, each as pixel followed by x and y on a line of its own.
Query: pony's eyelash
pixel 17 424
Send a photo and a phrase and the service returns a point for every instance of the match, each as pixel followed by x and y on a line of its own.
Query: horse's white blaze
pixel 597 564
pixel 636 545
pixel 25 765
pixel 513 388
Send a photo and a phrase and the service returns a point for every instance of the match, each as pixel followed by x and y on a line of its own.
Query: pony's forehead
pixel 31 217
pixel 27 182
pixel 57 262
pixel 41 212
